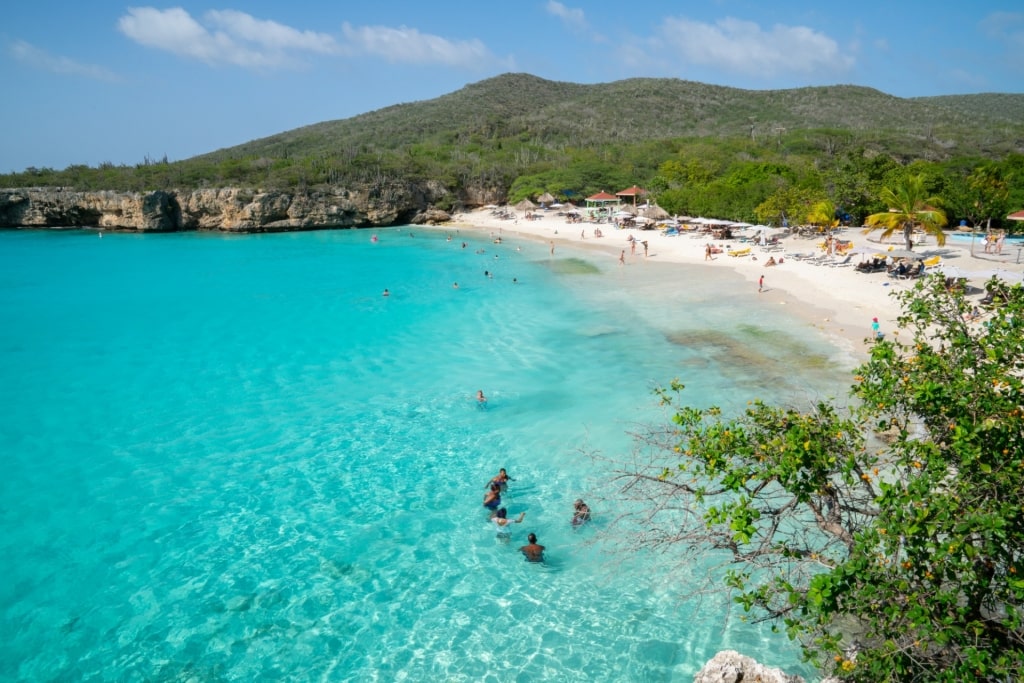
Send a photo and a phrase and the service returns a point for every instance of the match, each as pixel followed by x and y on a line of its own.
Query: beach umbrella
pixel 1007 276
pixel 902 253
pixel 526 205
pixel 866 250
pixel 545 198
pixel 655 212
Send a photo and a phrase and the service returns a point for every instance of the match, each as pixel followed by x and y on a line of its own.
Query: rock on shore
pixel 729 666
pixel 226 209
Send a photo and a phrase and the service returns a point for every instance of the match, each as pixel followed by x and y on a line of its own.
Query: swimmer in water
pixel 492 499
pixel 501 479
pixel 580 512
pixel 533 551
pixel 386 292
pixel 480 398
pixel 501 520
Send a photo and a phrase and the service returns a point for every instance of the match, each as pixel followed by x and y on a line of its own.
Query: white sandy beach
pixel 838 300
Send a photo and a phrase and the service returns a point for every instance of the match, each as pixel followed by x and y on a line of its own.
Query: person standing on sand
pixel 622 258
pixel 645 248
pixel 760 284
pixel 707 252
pixel 632 247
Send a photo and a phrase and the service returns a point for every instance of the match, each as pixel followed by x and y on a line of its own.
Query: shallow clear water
pixel 229 458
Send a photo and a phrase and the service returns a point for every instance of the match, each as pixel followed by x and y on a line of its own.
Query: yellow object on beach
pixel 740 252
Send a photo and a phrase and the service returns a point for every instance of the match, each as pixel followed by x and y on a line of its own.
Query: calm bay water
pixel 230 458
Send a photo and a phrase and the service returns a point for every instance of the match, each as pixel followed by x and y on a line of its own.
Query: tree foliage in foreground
pixel 888 536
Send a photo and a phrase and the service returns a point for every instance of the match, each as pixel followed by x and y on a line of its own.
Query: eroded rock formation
pixel 729 666
pixel 226 209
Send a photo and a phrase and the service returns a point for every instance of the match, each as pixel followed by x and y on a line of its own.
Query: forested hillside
pixel 702 148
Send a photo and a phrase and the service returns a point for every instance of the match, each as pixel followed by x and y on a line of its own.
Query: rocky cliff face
pixel 228 209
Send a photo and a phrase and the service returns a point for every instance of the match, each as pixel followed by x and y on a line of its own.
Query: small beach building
pixel 631 194
pixel 602 199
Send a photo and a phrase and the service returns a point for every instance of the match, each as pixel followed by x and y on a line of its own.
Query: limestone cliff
pixel 228 209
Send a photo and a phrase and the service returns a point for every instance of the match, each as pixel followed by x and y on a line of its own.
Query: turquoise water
pixel 230 458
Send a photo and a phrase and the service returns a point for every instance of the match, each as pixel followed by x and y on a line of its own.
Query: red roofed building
pixel 632 193
pixel 601 198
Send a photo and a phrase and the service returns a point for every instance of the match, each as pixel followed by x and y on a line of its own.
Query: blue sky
pixel 99 81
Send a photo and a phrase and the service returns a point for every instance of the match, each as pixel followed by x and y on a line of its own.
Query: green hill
pixel 700 147
pixel 524 108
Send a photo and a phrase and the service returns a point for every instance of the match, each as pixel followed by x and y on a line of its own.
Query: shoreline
pixel 837 300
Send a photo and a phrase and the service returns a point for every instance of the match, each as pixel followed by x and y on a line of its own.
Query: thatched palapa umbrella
pixel 655 212
pixel 546 198
pixel 526 205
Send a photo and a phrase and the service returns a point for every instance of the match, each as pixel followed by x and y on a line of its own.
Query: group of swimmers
pixel 533 551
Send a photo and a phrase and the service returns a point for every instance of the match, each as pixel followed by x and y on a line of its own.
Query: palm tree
pixel 823 215
pixel 909 208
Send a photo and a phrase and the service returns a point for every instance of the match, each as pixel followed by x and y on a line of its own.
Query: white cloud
pixel 407 45
pixel 234 38
pixel 573 17
pixel 270 33
pixel 175 31
pixel 41 59
pixel 1007 28
pixel 743 47
pixel 239 39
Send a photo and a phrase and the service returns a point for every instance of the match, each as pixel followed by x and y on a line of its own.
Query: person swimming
pixel 480 398
pixel 580 512
pixel 533 551
pixel 500 519
pixel 501 479
pixel 492 499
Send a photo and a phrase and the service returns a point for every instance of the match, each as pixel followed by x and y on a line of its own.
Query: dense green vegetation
pixel 701 149
pixel 888 536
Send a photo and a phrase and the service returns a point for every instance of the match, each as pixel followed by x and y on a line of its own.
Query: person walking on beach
pixel 707 252
pixel 552 247
pixel 632 246
pixel 876 329
pixel 622 258
pixel 533 551
pixel 645 248
pixel 760 284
